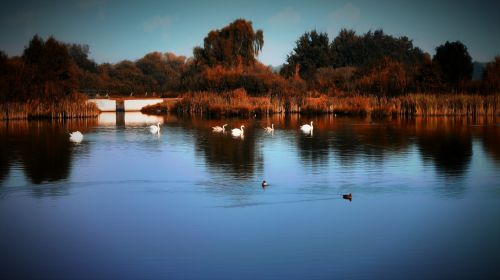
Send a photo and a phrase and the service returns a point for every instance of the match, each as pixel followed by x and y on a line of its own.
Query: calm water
pixel 126 204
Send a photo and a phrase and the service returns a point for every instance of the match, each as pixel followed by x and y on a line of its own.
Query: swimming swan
pixel 237 132
pixel 307 128
pixel 76 136
pixel 155 128
pixel 219 129
pixel 269 129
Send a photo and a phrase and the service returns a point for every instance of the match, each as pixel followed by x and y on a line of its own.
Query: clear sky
pixel 117 30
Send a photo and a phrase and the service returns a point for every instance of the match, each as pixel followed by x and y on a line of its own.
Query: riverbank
pixel 71 107
pixel 238 103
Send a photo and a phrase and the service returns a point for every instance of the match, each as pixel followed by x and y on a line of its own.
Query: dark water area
pixel 188 203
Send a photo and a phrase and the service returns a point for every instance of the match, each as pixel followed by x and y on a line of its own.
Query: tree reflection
pixel 448 143
pixel 351 139
pixel 42 148
pixel 5 154
pixel 224 154
pixel 491 140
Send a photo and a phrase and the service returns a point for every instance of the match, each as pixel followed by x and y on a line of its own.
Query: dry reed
pixel 238 103
pixel 36 109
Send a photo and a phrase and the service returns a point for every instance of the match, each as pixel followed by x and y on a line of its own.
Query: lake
pixel 188 203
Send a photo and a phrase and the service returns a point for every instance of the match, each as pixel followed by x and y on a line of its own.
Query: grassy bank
pixel 238 103
pixel 71 107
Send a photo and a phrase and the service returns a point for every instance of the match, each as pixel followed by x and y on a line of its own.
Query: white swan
pixel 269 129
pixel 154 128
pixel 219 129
pixel 307 128
pixel 76 136
pixel 237 132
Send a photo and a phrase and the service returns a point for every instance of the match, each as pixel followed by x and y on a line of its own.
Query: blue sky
pixel 117 30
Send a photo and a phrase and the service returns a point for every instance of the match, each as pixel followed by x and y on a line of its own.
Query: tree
pixel 233 45
pixel 491 76
pixel 454 63
pixel 388 78
pixel 53 72
pixel 427 78
pixel 310 53
pixel 79 54
pixel 345 49
pixel 349 49
pixel 126 77
pixel 166 69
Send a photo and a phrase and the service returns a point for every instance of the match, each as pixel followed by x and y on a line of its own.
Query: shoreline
pixel 237 103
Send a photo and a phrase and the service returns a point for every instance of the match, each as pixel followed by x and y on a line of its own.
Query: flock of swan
pixel 77 136
pixel 239 132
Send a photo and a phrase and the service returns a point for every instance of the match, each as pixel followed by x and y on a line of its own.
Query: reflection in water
pixel 447 143
pixel 491 138
pixel 228 155
pixel 128 118
pixel 5 154
pixel 124 201
pixel 42 148
pixel 43 151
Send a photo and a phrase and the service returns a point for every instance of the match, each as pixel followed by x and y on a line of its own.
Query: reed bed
pixel 238 103
pixel 447 105
pixel 35 109
pixel 234 103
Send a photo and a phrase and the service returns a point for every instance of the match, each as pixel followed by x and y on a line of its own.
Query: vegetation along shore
pixel 353 74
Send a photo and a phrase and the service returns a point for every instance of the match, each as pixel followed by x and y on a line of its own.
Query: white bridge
pixel 126 105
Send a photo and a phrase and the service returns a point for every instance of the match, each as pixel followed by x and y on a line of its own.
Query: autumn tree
pixel 427 77
pixel 235 44
pixel 388 78
pixel 454 63
pixel 4 82
pixel 491 76
pixel 126 78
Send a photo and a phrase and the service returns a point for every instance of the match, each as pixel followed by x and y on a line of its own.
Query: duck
pixel 238 132
pixel 219 129
pixel 307 128
pixel 347 196
pixel 264 184
pixel 269 129
pixel 76 136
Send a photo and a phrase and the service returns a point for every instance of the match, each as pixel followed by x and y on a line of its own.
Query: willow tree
pixel 235 44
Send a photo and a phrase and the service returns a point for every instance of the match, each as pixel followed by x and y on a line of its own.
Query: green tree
pixel 345 49
pixel 349 49
pixel 54 73
pixel 310 53
pixel 80 55
pixel 454 63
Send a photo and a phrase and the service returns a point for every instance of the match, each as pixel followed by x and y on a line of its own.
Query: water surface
pixel 188 203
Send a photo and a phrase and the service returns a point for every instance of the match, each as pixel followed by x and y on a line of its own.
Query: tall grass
pixel 445 105
pixel 71 107
pixel 238 103
pixel 233 103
